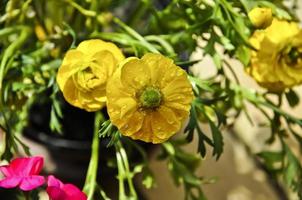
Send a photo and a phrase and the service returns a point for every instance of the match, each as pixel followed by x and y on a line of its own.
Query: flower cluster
pixel 24 173
pixel 276 64
pixel 147 99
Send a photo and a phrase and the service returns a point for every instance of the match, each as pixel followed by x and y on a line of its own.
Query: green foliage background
pixel 35 34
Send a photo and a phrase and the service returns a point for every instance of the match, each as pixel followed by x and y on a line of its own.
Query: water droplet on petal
pixel 126 126
pixel 179 73
pixel 136 79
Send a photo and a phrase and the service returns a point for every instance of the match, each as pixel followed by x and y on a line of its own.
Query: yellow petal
pixel 261 17
pixel 158 66
pixel 135 73
pixel 90 47
pixel 69 66
pixel 164 123
pixel 105 63
pixel 70 93
pixel 133 124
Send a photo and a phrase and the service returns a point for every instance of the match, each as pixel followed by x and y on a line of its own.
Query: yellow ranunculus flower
pixel 84 72
pixel 277 64
pixel 149 98
pixel 261 17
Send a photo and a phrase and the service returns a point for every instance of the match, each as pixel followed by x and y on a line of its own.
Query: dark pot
pixel 69 151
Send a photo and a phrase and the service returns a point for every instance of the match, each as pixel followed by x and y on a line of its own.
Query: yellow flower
pixel 277 64
pixel 149 98
pixel 261 17
pixel 84 72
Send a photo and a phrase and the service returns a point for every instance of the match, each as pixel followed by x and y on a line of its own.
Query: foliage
pixel 35 34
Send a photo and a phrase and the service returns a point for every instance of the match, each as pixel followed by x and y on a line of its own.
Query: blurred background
pixel 235 176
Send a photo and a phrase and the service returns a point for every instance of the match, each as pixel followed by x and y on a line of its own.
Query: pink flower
pixel 58 191
pixel 23 172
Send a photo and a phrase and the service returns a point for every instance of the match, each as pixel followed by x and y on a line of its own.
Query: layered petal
pixel 135 73
pixel 149 98
pixel 31 182
pixel 84 73
pixel 93 46
pixel 273 66
pixel 73 192
pixel 23 172
pixel 10 182
pixel 56 190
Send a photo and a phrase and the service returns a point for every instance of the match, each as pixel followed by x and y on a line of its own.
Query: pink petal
pixel 56 193
pixel 54 182
pixel 35 165
pixel 6 171
pixel 74 193
pixel 26 166
pixel 31 182
pixel 10 182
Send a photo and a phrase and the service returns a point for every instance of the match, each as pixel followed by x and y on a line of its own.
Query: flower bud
pixel 261 17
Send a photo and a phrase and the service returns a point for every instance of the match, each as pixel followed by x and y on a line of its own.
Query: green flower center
pixel 293 55
pixel 150 98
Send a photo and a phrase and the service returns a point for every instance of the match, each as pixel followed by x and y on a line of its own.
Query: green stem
pixel 124 172
pixel 26 195
pixel 90 182
pixel 138 12
pixel 129 177
pixel 168 48
pixel 9 52
pixel 121 174
pixel 136 35
pixel 4 66
pixel 88 13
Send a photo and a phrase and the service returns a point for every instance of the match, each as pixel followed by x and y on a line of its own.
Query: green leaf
pixel 292 171
pixel 72 33
pixel 243 54
pixel 292 98
pixel 148 178
pixel 217 139
pixel 55 125
pixel 271 157
pixel 183 174
pixel 210 49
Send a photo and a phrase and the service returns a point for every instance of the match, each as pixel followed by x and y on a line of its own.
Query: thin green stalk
pixel 124 172
pixel 88 13
pixel 8 30
pixel 136 35
pixel 121 174
pixel 9 52
pixel 4 66
pixel 24 8
pixel 129 177
pixel 168 48
pixel 91 176
pixel 138 12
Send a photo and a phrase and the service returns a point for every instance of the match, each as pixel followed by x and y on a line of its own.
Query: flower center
pixel 150 98
pixel 293 56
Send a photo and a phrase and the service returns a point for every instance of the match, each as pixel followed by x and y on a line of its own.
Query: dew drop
pixel 136 79
pixel 179 73
pixel 126 126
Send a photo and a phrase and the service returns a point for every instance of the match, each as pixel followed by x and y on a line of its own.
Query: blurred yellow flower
pixel 277 64
pixel 84 72
pixel 261 17
pixel 149 98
